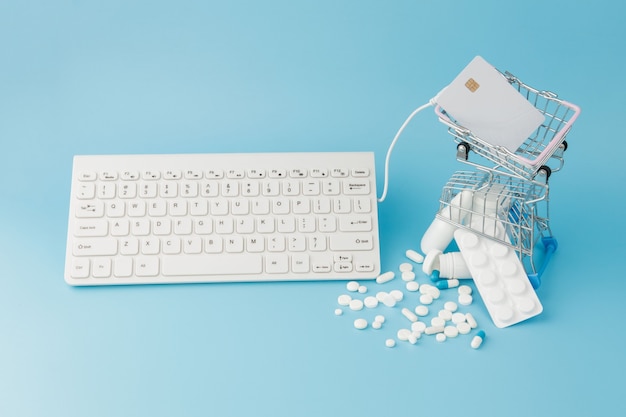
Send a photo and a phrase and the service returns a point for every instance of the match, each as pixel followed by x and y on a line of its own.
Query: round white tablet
pixel 360 324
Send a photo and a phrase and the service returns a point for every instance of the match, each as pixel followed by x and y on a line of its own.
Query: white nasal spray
pixel 440 233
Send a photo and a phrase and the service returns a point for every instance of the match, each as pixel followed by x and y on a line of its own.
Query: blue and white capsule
pixel 478 339
pixel 444 284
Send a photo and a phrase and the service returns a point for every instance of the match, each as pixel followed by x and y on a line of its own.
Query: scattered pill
pixel 386 277
pixel 390 343
pixel 413 339
pixel 362 289
pixel 344 299
pixel 408 276
pixel 478 339
pixel 379 318
pixel 465 289
pixel 397 295
pixel 465 299
pixel 471 320
pixel 426 299
pixel 412 286
pixel 352 286
pixel 444 284
pixel 406 267
pixel 380 296
pixel 450 306
pixel 360 324
pixel 370 302
pixel 409 314
pixel 464 328
pixel 430 290
pixel 437 322
pixel 418 327
pixel 338 312
pixel 433 329
pixel 403 334
pixel 440 337
pixel 421 310
pixel 377 325
pixel 415 256
pixel 389 301
pixel 356 305
pixel 451 331
pixel 445 314
pixel 458 318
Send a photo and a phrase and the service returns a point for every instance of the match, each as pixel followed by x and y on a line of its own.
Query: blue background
pixel 79 77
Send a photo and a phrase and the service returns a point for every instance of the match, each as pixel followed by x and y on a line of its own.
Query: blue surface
pixel 81 77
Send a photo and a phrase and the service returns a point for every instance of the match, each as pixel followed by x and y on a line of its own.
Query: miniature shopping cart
pixel 513 186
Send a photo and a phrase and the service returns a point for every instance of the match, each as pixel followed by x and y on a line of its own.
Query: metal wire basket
pixel 505 208
pixel 542 150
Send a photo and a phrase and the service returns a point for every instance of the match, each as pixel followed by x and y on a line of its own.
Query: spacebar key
pixel 212 265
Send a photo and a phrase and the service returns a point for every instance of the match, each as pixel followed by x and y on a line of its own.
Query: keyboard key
pixel 95 247
pixel 211 265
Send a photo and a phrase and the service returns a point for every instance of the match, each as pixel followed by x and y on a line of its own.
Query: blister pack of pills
pixel 500 279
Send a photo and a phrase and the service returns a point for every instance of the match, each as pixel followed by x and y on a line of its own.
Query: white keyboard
pixel 146 219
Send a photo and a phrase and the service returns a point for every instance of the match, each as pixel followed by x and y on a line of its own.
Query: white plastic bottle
pixel 450 265
pixel 440 233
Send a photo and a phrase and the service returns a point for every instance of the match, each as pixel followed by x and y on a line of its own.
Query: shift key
pixel 351 241
pixel 94 247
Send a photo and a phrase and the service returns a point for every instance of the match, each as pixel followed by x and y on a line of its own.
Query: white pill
pixel 445 314
pixel 426 299
pixel 338 312
pixel 465 299
pixel 458 318
pixel 409 314
pixel 389 301
pixel 403 334
pixel 380 295
pixel 370 302
pixel 412 339
pixel 408 276
pixel 421 311
pixel 418 327
pixel 440 337
pixel 362 289
pixel 437 322
pixel 344 299
pixel 352 286
pixel 471 320
pixel 386 277
pixel 451 306
pixel 379 318
pixel 415 256
pixel 356 305
pixel 390 343
pixel 360 324
pixel 464 289
pixel 377 325
pixel 406 267
pixel 430 290
pixel 451 331
pixel 397 295
pixel 412 286
pixel 433 330
pixel 464 328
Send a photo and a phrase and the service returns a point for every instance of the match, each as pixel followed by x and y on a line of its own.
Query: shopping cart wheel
pixel 545 172
pixel 462 150
pixel 564 145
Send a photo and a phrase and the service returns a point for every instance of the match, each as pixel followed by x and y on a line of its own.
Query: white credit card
pixel 482 100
